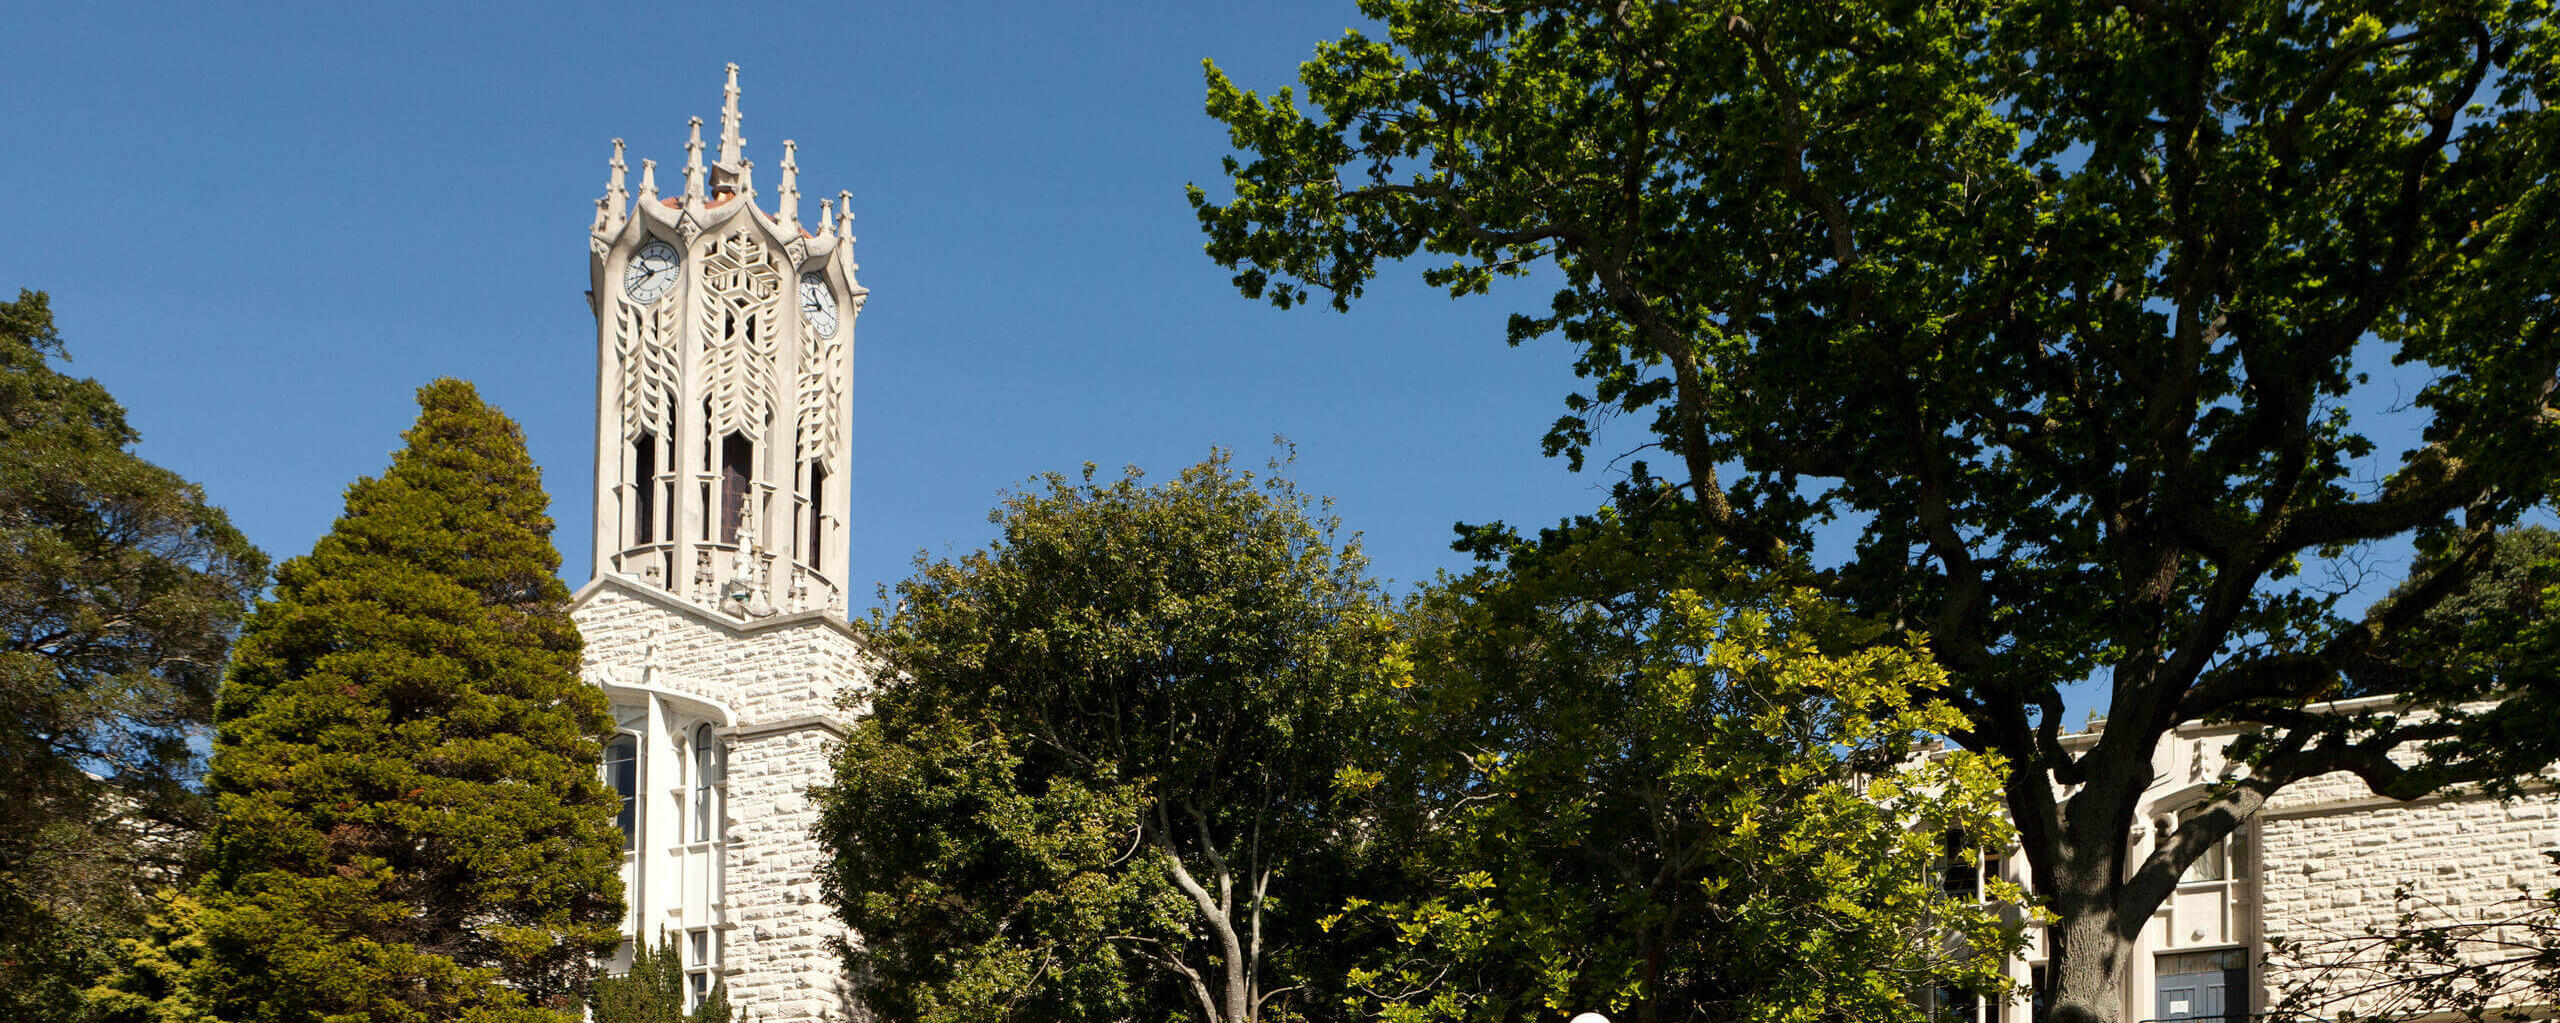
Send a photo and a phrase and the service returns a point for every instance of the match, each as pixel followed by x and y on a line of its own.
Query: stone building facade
pixel 2324 859
pixel 716 618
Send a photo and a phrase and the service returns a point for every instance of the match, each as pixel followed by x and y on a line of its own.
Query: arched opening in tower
pixel 644 488
pixel 817 514
pixel 737 453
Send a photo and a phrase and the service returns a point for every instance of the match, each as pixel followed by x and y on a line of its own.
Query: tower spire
pixel 615 195
pixel 844 214
pixel 648 180
pixel 732 146
pixel 790 192
pixel 693 164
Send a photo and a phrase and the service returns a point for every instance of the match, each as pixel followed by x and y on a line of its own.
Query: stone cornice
pixel 719 712
pixel 801 723
pixel 635 588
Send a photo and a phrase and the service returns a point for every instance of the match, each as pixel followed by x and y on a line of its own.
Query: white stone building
pixel 716 618
pixel 2323 859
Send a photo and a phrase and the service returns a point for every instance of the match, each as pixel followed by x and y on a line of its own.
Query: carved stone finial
pixel 693 164
pixel 614 194
pixel 844 214
pixel 790 194
pixel 743 594
pixel 732 146
pixel 827 215
pixel 648 180
pixel 746 177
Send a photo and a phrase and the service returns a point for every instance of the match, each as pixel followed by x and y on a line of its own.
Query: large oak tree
pixel 2064 305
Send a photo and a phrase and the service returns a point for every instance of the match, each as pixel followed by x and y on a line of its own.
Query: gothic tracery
pixel 740 281
pixel 821 421
pixel 645 349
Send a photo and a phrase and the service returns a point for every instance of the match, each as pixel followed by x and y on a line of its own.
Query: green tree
pixel 2061 307
pixel 120 592
pixel 154 977
pixel 1670 787
pixel 409 825
pixel 654 992
pixel 2492 635
pixel 1098 783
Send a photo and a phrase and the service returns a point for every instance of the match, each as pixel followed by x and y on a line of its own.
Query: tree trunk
pixel 2088 953
pixel 2079 870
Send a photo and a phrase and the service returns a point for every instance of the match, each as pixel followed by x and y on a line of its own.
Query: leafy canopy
pixel 1667 787
pixel 2062 308
pixel 120 591
pixel 1098 782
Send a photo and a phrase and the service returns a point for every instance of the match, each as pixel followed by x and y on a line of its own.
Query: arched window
pixel 622 774
pixel 817 555
pixel 644 488
pixel 737 458
pixel 708 763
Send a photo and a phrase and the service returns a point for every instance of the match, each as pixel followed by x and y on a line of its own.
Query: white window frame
pixel 632 804
pixel 709 765
pixel 701 965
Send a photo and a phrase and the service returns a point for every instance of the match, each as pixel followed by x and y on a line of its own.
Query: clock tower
pixel 725 344
pixel 716 618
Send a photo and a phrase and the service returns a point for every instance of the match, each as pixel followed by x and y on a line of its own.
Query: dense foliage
pixel 2494 635
pixel 409 825
pixel 154 979
pixel 653 991
pixel 1672 788
pixel 120 591
pixel 1097 783
pixel 2066 310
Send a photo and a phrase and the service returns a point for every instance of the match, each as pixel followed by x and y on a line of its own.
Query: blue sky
pixel 264 227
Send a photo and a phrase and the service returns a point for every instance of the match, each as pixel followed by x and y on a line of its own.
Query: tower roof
pixel 714 178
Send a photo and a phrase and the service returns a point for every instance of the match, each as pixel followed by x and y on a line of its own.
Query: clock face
pixel 651 272
pixel 818 304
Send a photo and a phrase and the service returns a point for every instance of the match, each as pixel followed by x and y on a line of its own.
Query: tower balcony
pixel 700 568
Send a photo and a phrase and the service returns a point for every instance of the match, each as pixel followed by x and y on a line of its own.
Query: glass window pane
pixel 706 773
pixel 622 774
pixel 2212 866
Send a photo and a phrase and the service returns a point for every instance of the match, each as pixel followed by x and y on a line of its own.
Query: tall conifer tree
pixel 409 823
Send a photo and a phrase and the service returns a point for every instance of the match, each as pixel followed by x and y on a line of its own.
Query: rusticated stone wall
pixel 785 679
